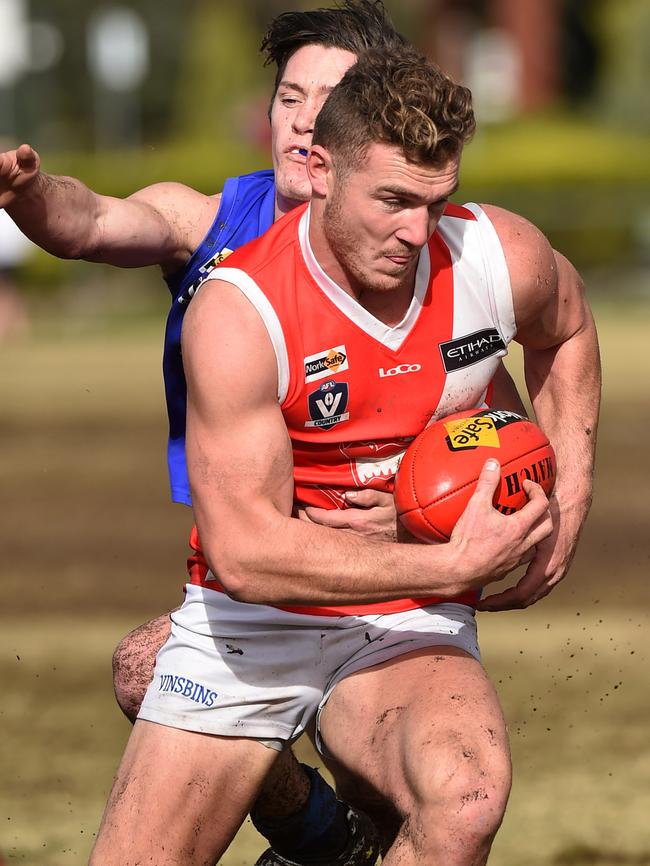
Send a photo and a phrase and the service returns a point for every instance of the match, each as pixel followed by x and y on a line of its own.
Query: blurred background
pixel 130 94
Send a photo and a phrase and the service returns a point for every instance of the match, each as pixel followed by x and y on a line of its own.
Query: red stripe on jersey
pixel 457 210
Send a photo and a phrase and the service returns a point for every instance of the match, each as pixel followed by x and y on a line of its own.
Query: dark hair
pixel 353 25
pixel 395 97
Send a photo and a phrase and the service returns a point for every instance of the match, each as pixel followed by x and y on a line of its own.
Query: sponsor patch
pixel 205 269
pixel 187 688
pixel 327 406
pixel 480 429
pixel 470 349
pixel 326 363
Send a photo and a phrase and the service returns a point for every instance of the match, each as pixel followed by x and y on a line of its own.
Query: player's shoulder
pixel 173 193
pixel 528 253
pixel 270 252
pixel 516 233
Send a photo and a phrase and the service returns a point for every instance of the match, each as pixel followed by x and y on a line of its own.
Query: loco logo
pixel 399 370
pixel 375 464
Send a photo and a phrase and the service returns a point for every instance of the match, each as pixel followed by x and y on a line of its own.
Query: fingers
pixel 525 593
pixel 334 517
pixel 369 498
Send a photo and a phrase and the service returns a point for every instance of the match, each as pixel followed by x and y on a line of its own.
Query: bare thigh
pixel 286 787
pixel 178 797
pixel 420 742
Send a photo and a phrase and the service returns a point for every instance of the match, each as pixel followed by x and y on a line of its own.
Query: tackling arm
pixel 562 366
pixel 161 224
pixel 241 473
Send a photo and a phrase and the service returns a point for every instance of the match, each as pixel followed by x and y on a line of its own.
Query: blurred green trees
pixel 581 170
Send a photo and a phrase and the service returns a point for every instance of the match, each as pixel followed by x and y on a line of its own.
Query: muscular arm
pixel 241 473
pixel 161 224
pixel 562 367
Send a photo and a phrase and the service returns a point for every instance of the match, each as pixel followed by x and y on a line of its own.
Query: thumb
pixel 27 158
pixel 488 480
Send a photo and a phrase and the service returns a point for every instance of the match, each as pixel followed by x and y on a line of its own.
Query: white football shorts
pixel 251 670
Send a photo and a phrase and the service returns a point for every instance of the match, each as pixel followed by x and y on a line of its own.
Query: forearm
pixel 564 384
pixel 59 214
pixel 288 561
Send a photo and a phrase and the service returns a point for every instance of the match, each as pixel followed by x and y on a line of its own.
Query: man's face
pixel 308 78
pixel 377 218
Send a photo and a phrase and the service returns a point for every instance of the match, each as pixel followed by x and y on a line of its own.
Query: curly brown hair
pixel 395 97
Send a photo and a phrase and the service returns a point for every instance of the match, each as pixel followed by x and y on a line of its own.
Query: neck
pixel 388 304
pixel 283 205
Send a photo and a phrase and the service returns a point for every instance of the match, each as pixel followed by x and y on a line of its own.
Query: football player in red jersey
pixel 404 711
pixel 165 224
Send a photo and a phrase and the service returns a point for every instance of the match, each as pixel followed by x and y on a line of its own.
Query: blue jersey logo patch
pixel 327 406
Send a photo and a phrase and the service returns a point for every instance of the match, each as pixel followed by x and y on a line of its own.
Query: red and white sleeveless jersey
pixel 355 391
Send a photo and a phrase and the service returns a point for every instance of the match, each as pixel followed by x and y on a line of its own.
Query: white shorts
pixel 250 670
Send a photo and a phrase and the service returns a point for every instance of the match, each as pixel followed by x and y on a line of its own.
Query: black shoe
pixel 362 848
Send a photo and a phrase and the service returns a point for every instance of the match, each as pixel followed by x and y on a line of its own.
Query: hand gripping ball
pixel 439 470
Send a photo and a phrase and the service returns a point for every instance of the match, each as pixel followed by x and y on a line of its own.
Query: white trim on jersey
pixel 499 277
pixel 258 299
pixel 482 292
pixel 393 337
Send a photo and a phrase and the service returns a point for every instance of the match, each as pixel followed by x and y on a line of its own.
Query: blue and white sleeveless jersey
pixel 246 210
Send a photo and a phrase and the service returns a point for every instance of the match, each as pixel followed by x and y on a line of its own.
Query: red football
pixel 440 468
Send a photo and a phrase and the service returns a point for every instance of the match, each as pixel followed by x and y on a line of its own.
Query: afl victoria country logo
pixel 327 406
pixel 326 363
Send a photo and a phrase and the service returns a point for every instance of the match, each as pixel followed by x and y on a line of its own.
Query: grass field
pixel 91 548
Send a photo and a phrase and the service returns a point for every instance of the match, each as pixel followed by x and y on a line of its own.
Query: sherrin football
pixel 439 470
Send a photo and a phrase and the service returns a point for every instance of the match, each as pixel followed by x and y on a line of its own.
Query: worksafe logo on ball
pixel 470 349
pixel 327 405
pixel 479 429
pixel 325 363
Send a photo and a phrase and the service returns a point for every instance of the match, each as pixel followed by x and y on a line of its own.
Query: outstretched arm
pixel 241 473
pixel 161 224
pixel 562 367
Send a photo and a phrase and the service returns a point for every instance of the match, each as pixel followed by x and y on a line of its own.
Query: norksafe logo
pixel 326 363
pixel 187 688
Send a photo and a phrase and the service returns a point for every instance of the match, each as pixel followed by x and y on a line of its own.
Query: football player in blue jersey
pixel 187 233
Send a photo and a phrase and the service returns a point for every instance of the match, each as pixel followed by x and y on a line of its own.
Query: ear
pixel 319 170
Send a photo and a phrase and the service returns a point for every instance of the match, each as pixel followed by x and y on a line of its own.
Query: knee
pixel 128 692
pixel 465 797
pixel 133 663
